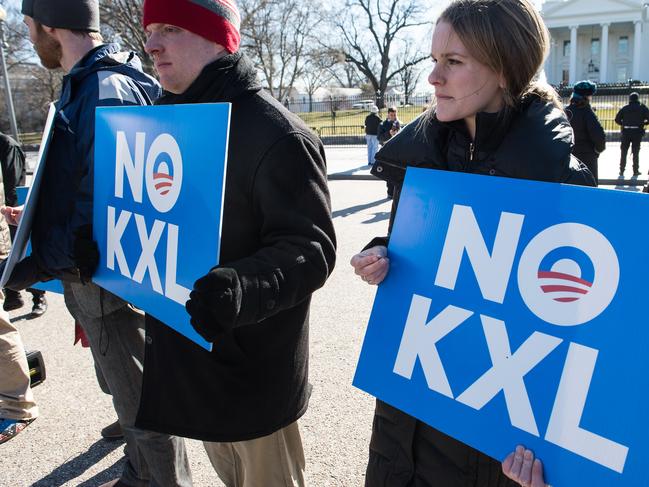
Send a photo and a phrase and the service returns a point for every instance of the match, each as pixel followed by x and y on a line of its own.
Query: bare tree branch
pixel 370 31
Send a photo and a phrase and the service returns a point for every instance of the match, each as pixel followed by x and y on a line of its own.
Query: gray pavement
pixel 63 447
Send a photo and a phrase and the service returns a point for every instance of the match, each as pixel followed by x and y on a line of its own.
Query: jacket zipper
pixel 471 149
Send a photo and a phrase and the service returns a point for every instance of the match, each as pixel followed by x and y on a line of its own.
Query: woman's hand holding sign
pixel 372 264
pixel 522 467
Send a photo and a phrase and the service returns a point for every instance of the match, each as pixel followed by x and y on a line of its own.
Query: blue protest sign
pixel 158 197
pixel 21 238
pixel 512 314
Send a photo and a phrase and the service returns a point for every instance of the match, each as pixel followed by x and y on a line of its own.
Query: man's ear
pixel 51 31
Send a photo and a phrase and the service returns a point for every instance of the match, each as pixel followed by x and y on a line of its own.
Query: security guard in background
pixel 632 118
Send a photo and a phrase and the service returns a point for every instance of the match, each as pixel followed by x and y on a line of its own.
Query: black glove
pixel 215 302
pixel 86 253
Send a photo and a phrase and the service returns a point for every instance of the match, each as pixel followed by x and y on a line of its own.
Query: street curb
pixel 342 176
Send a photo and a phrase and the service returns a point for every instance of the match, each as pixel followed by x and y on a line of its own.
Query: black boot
pixel 40 303
pixel 13 300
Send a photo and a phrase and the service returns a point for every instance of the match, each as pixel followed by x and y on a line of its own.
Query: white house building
pixel 605 41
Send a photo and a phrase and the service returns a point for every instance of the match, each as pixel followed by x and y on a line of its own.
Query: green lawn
pixel 353 119
pixel 350 122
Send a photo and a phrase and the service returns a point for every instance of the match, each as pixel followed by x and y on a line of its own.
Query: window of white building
pixel 623 45
pixel 594 48
pixel 566 48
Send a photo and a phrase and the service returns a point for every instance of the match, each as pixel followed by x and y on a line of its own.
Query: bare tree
pixel 18 47
pixel 370 30
pixel 410 75
pixel 277 36
pixel 122 22
pixel 317 71
pixel 345 74
pixel 33 87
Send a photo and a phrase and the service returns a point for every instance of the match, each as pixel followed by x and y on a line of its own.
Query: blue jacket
pixel 103 77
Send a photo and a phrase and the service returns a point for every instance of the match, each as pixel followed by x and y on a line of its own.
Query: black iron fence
pixel 340 121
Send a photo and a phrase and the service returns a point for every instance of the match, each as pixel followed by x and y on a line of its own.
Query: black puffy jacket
pixel 590 138
pixel 534 142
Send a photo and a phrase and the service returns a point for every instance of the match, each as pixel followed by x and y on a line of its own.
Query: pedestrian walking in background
pixel 388 129
pixel 490 118
pixel 589 135
pixel 632 119
pixel 12 163
pixel 372 123
pixel 244 398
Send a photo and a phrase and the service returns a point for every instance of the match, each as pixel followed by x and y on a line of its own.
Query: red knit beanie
pixel 215 20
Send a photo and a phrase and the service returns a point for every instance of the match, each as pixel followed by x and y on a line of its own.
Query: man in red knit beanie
pixel 244 398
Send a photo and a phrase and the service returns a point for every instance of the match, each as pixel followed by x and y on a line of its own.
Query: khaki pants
pixel 276 460
pixel 16 399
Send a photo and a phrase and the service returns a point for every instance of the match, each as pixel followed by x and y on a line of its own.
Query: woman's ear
pixel 502 83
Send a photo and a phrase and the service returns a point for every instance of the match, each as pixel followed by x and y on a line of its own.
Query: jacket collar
pixel 490 129
pixel 536 131
pixel 101 57
pixel 222 80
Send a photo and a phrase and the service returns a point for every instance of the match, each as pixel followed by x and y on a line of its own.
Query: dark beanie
pixel 584 88
pixel 64 14
pixel 215 20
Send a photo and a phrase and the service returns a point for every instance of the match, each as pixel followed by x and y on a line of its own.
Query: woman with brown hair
pixel 491 118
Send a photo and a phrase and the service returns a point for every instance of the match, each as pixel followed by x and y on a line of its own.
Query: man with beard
pixel 65 33
pixel 244 398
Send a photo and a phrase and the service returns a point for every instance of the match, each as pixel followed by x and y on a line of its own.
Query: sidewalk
pixel 350 162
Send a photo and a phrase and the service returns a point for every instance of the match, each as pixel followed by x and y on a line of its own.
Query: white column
pixel 603 63
pixel 637 47
pixel 573 54
pixel 549 74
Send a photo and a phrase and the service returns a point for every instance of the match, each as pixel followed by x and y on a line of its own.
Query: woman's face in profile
pixel 463 86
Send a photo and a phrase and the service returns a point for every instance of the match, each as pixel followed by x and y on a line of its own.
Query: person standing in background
pixel 589 135
pixel 372 123
pixel 12 163
pixel 388 129
pixel 632 118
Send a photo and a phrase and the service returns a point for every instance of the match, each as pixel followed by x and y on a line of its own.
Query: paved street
pixel 63 447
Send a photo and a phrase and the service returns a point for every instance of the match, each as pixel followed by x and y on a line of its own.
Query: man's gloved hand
pixel 86 253
pixel 215 302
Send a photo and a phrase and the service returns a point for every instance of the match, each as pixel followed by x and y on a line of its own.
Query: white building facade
pixel 606 41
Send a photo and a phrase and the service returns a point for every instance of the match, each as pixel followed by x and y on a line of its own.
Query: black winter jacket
pixel 635 114
pixel 12 159
pixel 533 144
pixel 589 134
pixel 384 130
pixel 372 122
pixel 590 138
pixel 279 238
